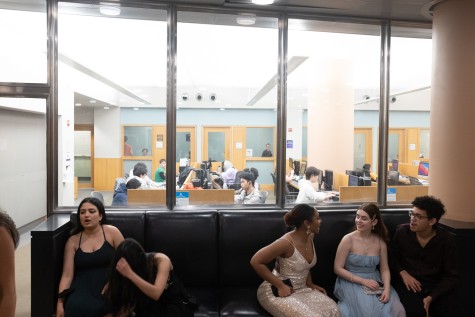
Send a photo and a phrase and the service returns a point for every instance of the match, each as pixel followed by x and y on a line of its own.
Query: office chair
pixel 264 197
pixel 97 195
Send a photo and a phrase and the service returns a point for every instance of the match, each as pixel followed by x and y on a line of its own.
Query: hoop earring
pixel 308 231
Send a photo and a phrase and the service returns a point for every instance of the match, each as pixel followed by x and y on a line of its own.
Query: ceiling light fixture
pixel 246 19
pixel 110 10
pixel 263 2
pixel 78 104
pixel 106 108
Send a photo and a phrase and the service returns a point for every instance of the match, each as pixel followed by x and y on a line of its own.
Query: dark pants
pixel 443 306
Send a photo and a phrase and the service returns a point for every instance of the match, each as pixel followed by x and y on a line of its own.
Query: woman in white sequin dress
pixel 294 256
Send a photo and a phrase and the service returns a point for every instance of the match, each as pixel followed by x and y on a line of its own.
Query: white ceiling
pixel 126 55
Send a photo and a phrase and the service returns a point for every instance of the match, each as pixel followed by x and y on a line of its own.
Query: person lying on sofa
pixel 289 289
pixel 145 284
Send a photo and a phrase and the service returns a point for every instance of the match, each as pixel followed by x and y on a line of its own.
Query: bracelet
pixel 351 278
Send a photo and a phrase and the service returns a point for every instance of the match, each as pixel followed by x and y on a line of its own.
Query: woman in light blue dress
pixel 358 285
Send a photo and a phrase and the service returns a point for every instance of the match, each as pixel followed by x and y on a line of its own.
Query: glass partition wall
pixel 118 97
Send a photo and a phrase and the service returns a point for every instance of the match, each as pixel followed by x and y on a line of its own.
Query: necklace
pixel 364 243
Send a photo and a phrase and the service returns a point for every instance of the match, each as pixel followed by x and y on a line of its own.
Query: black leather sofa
pixel 210 251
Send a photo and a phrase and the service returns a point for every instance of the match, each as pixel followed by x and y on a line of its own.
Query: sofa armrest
pixel 47 250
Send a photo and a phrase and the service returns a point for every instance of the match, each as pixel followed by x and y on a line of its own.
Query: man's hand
pixel 411 283
pixel 427 300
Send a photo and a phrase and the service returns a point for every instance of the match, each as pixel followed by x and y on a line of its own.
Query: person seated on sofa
pixel 9 238
pixel 307 193
pixel 87 257
pixel 424 262
pixel 120 197
pixel 294 255
pixel 144 284
pixel 356 264
pixel 249 194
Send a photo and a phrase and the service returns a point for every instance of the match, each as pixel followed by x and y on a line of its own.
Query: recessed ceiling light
pixel 110 10
pixel 78 104
pixel 135 108
pixel 222 109
pixel 263 2
pixel 92 101
pixel 106 108
pixel 246 19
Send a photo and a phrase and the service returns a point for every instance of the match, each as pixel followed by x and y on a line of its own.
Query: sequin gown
pixel 304 302
pixel 353 302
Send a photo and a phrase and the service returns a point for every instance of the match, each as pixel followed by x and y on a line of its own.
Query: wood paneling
pixel 157 196
pixel 106 170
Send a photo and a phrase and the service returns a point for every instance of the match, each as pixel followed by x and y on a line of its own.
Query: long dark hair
pixel 122 294
pixel 373 212
pixel 100 207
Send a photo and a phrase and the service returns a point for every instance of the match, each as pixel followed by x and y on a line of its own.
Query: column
pixel 452 149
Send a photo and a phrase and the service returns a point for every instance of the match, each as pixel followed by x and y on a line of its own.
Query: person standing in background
pixel 267 152
pixel 160 173
pixel 127 147
pixel 9 239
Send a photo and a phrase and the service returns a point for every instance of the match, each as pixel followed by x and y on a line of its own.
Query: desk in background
pixel 158 196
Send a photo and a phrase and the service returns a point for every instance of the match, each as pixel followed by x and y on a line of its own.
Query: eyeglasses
pixel 417 216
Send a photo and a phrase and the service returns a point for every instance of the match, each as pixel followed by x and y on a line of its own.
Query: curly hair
pixel 431 205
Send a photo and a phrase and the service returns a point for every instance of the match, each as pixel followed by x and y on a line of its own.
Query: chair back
pixel 264 197
pixel 98 195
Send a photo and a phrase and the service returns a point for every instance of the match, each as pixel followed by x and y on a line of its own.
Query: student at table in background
pixel 120 197
pixel 267 152
pixel 139 172
pixel 307 193
pixel 160 173
pixel 228 175
pixel 9 239
pixel 249 194
pixel 424 262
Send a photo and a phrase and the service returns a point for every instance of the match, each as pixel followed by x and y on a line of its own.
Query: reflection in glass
pixel 23 54
pixel 216 146
pixel 82 155
pixel 339 65
pixel 139 139
pixel 183 145
pixel 424 143
pixel 360 150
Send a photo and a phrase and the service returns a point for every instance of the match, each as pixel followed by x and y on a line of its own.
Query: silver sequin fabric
pixel 304 302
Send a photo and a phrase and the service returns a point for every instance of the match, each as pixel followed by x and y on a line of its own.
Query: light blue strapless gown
pixel 353 302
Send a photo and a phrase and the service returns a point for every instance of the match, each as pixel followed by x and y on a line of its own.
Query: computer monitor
pixel 423 169
pixel 303 167
pixel 319 178
pixel 328 180
pixel 393 178
pixel 352 180
pixel 296 167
